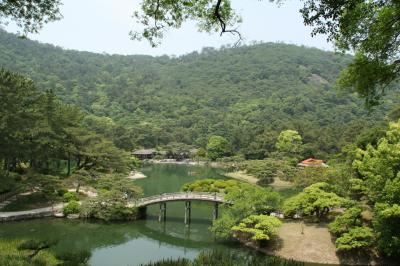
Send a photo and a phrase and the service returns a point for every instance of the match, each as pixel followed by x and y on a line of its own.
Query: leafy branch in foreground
pixel 30 15
pixel 157 16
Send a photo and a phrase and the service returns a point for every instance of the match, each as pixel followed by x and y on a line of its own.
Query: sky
pixel 103 26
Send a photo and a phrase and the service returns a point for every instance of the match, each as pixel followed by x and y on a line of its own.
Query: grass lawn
pixel 11 255
pixel 312 242
pixel 240 175
pixel 27 202
pixel 314 245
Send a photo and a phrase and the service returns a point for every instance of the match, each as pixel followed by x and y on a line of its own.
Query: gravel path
pixel 314 245
pixel 35 213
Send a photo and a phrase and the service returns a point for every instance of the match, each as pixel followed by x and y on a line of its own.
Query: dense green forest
pixel 247 95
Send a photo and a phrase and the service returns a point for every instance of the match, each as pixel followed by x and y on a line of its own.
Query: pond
pixel 136 242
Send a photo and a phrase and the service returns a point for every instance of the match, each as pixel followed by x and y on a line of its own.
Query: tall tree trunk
pixel 47 166
pixel 6 167
pixel 69 165
pixel 14 164
pixel 78 163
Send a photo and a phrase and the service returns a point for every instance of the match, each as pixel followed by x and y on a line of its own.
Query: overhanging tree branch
pixel 218 16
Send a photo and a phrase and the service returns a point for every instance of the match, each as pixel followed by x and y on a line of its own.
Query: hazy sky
pixel 104 25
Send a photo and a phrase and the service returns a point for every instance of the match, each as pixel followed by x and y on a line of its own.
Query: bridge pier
pixel 215 211
pixel 163 211
pixel 188 210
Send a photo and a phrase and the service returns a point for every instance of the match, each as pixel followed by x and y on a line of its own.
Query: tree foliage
pixel 356 238
pixel 379 166
pixel 211 185
pixel 316 199
pixel 258 227
pixel 268 169
pixel 158 16
pixel 289 142
pixel 247 200
pixel 338 175
pixel 349 219
pixel 378 169
pixel 386 225
pixel 40 131
pixel 44 140
pixel 218 147
pixel 371 28
pixel 30 15
pixel 248 95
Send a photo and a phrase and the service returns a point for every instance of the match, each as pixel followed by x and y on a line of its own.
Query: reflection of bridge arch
pixel 188 197
pixel 163 237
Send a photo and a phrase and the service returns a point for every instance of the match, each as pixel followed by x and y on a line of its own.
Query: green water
pixel 133 243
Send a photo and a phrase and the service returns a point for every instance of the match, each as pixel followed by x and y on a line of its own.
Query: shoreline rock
pixel 73 216
pixel 136 175
pixel 59 215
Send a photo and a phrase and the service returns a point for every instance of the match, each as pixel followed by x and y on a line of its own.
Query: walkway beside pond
pixel 30 214
pixel 241 175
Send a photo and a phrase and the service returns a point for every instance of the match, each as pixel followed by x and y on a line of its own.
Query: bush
pixel 258 227
pixel 169 262
pixel 108 206
pixel 10 183
pixel 343 223
pixel 61 192
pixel 226 258
pixel 72 207
pixel 210 185
pixel 70 196
pixel 356 238
pixel 316 199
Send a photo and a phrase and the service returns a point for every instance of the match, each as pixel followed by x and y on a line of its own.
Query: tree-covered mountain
pixel 247 94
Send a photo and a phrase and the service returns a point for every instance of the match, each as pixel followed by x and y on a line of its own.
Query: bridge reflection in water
pixel 188 197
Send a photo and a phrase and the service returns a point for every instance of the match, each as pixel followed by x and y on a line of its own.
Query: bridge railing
pixel 180 196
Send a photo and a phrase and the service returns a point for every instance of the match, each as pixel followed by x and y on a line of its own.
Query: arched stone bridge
pixel 188 197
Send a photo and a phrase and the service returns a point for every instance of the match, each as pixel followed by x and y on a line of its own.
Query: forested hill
pixel 247 94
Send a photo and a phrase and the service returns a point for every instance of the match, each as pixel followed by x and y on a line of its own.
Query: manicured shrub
pixel 108 206
pixel 356 239
pixel 69 196
pixel 210 185
pixel 258 227
pixel 343 223
pixel 72 207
